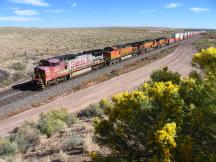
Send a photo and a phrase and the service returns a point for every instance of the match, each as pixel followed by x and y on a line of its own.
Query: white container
pixel 188 33
pixel 185 35
pixel 176 35
pixel 181 36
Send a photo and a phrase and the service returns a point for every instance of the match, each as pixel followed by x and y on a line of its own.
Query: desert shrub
pixel 74 140
pixel 212 35
pixel 26 136
pixel 195 75
pixel 164 76
pixel 3 75
pixel 104 103
pixel 54 121
pixel 51 126
pixel 71 119
pixel 92 111
pixel 18 66
pixel 6 82
pixel 89 144
pixel 7 148
pixel 17 76
pixel 62 156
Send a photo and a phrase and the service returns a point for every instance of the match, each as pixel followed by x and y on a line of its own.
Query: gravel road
pixel 179 61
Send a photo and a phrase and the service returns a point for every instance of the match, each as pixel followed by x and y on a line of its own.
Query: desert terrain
pixel 178 61
pixel 80 135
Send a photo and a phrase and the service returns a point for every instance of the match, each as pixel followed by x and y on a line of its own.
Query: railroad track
pixel 14 98
pixel 16 94
pixel 6 93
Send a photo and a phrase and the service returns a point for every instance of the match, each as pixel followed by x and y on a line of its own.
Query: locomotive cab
pixel 48 71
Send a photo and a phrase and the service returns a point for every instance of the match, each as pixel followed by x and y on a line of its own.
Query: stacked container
pixel 176 36
pixel 181 36
pixel 188 33
pixel 185 35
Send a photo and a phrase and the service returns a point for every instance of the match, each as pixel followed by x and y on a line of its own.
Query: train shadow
pixel 26 86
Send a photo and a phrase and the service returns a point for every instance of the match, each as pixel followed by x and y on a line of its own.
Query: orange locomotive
pixel 116 54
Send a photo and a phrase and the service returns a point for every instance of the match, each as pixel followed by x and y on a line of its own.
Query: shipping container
pixel 171 40
pixel 185 35
pixel 176 35
pixel 188 34
pixel 181 36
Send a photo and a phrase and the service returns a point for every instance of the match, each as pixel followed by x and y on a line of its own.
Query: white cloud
pixel 40 3
pixel 26 12
pixel 147 11
pixel 74 5
pixel 17 19
pixel 54 11
pixel 197 9
pixel 173 5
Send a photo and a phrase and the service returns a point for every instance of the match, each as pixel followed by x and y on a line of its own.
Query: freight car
pixel 54 70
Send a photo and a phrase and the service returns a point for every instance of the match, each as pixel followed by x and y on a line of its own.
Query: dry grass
pixel 29 45
pixel 209 40
pixel 30 41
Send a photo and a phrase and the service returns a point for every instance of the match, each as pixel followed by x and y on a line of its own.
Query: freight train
pixel 58 69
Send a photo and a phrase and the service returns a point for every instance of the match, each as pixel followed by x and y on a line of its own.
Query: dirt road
pixel 179 61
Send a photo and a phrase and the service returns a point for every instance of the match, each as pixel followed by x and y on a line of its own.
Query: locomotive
pixel 58 69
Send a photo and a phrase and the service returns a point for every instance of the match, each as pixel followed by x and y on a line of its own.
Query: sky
pixel 108 13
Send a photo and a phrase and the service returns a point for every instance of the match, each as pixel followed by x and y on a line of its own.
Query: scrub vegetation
pixel 168 118
pixel 207 41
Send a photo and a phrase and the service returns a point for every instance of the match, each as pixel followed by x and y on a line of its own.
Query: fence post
pixel 13 55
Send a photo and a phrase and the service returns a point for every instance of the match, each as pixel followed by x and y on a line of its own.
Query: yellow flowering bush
pixel 163 75
pixel 165 136
pixel 162 89
pixel 165 139
pixel 162 121
pixel 125 103
pixel 206 57
pixel 165 95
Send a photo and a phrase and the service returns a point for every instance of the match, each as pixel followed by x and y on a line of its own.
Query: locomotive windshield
pixel 48 63
pixel 44 63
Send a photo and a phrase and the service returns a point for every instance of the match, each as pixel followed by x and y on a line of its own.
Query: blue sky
pixel 102 13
